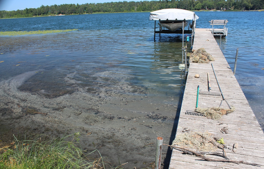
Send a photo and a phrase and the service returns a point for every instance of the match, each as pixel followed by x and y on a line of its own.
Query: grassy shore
pixel 47 154
pixel 17 33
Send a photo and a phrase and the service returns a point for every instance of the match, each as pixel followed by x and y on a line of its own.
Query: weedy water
pixel 39 32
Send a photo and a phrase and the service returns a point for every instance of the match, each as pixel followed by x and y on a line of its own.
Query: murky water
pixel 110 80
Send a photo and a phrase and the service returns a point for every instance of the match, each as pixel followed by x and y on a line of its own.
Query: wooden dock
pixel 243 130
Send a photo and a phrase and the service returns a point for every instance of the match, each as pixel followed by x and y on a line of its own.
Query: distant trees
pixel 133 6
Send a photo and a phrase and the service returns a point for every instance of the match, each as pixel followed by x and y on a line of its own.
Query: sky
pixel 10 5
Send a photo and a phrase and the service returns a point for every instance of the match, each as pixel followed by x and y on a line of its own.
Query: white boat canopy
pixel 173 14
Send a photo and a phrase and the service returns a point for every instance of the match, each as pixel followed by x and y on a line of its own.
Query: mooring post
pixel 236 61
pixel 159 152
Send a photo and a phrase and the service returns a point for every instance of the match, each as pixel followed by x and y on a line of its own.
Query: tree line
pixel 133 6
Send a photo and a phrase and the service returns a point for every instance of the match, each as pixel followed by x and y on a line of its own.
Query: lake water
pixel 110 80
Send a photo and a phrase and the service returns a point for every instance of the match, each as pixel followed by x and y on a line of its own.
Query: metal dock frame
pixel 168 31
pixel 219 32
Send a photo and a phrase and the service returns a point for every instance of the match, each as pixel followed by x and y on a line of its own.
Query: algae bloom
pixel 17 33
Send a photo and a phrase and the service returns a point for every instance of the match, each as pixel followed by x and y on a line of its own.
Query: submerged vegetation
pixel 133 6
pixel 17 33
pixel 42 154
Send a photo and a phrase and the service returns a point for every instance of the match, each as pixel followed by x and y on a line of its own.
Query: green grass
pixel 17 33
pixel 47 155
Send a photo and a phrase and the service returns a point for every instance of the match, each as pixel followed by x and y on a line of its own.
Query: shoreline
pixel 260 10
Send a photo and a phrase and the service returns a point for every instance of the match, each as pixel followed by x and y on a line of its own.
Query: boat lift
pixel 174 21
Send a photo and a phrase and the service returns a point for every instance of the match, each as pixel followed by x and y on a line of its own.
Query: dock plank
pixel 243 127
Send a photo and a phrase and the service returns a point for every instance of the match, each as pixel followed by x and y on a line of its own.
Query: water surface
pixel 108 79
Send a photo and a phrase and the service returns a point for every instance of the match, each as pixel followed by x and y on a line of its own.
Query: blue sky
pixel 10 5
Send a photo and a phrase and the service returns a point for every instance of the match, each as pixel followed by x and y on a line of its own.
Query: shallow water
pixel 109 78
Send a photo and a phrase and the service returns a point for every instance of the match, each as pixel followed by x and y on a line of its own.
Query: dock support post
pixel 185 60
pixel 160 29
pixel 159 152
pixel 182 40
pixel 220 41
pixel 191 41
pixel 236 61
pixel 193 27
pixel 155 31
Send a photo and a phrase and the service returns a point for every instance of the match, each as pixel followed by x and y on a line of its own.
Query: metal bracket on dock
pixel 194 113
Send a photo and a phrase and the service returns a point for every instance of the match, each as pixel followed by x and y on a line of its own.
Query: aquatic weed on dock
pixel 194 141
pixel 214 112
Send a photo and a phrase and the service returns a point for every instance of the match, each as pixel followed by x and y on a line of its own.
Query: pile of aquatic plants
pixel 214 112
pixel 46 154
pixel 17 33
pixel 195 141
pixel 201 56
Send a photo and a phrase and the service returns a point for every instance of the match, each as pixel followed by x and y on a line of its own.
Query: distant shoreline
pixel 59 15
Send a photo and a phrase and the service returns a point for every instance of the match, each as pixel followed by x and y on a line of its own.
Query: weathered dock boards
pixel 242 125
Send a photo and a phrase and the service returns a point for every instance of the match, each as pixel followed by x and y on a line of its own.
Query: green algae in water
pixel 17 33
